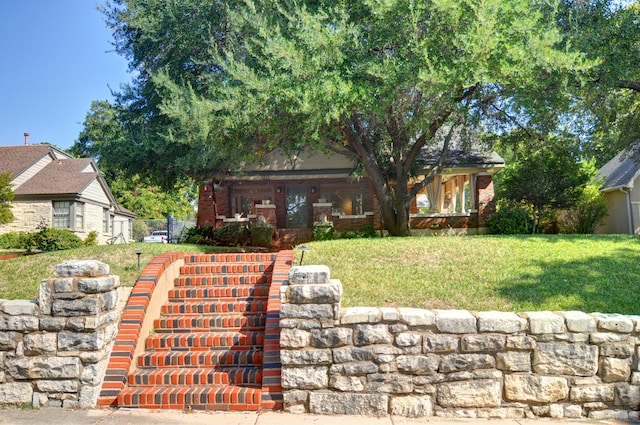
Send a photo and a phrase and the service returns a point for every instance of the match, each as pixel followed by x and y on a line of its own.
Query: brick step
pixel 225 268
pixel 219 292
pixel 240 376
pixel 215 307
pixel 188 398
pixel 224 279
pixel 199 323
pixel 232 257
pixel 203 340
pixel 237 356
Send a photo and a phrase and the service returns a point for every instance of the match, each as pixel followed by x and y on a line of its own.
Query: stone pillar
pixel 310 308
pixel 268 211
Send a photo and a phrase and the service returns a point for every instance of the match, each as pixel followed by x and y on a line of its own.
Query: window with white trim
pixel 68 215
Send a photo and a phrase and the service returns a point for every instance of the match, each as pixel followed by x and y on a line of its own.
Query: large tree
pixel 221 82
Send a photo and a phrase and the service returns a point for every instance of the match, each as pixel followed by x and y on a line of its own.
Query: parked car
pixel 159 236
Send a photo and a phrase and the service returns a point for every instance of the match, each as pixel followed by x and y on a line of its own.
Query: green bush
pixel 13 240
pixel 232 235
pixel 323 231
pixel 50 239
pixel 511 218
pixel 365 232
pixel 200 235
pixel 91 239
pixel 260 234
pixel 587 214
pixel 139 230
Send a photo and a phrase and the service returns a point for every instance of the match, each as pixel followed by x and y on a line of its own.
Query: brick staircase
pixel 215 342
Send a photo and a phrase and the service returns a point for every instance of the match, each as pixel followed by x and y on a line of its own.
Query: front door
pixel 297 207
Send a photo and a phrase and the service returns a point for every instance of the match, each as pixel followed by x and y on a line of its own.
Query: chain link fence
pixel 176 228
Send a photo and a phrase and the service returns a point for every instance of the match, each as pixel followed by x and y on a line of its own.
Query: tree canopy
pixel 219 83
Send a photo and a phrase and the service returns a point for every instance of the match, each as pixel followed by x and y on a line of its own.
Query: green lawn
pixel 507 273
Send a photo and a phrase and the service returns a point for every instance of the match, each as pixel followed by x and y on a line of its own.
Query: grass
pixel 506 273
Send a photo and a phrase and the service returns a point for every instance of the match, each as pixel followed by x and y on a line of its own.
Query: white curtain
pixel 433 192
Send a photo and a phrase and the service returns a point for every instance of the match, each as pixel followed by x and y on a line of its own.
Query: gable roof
pixel 17 159
pixel 60 177
pixel 621 171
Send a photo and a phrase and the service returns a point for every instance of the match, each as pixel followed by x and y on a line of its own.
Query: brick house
pixel 293 193
pixel 53 189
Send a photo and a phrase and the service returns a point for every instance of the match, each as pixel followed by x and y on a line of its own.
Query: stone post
pixel 54 351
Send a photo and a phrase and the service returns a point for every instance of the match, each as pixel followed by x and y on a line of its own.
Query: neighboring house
pixel 621 192
pixel 293 193
pixel 52 189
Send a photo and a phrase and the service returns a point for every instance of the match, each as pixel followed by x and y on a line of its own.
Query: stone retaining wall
pixel 452 363
pixel 53 351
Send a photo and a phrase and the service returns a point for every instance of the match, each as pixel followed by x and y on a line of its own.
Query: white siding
pixel 95 193
pixel 32 171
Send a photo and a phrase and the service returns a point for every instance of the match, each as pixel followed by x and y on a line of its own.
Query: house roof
pixel 460 157
pixel 16 159
pixel 621 171
pixel 62 176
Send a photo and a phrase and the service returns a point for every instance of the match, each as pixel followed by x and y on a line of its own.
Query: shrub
pixel 587 214
pixel 511 218
pixel 13 240
pixel 139 230
pixel 200 235
pixel 92 239
pixel 323 231
pixel 260 234
pixel 232 235
pixel 52 240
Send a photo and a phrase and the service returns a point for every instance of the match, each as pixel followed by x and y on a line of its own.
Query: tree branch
pixel 627 84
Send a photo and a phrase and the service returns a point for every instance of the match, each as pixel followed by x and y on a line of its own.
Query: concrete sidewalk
pixel 59 416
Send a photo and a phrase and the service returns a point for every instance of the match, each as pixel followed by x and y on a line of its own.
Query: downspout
pixel 629 210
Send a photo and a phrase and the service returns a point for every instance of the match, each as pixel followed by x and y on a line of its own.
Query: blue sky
pixel 55 58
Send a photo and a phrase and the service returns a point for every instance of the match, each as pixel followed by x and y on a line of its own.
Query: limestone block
pixel 565 359
pixel 502 413
pixel 82 268
pixel 556 411
pixel 412 406
pixel 40 343
pixel 521 343
pixel 603 415
pixel 409 339
pixel 18 323
pixel 57 386
pixel 501 322
pixel 455 321
pixel 88 396
pixel 109 300
pixel 43 367
pixel 627 395
pixel 306 357
pixel 39 400
pixel 371 334
pixel 348 404
pixel 305 378
pixel 573 411
pixel 355 315
pixel 635 378
pixel 455 413
pixel 534 388
pixel 614 323
pixel 321 312
pixel 440 344
pixel 390 314
pixel 90 357
pixel 514 361
pixel 294 338
pixel 63 285
pixel 295 397
pixel 466 394
pixel 417 316
pixel 98 285
pixel 347 383
pixel 578 321
pixel 621 351
pixel 352 354
pixel 94 322
pixel 87 341
pixel 354 368
pixel 478 343
pixel 608 338
pixel 19 307
pixel 615 370
pixel 75 308
pixel 45 294
pixel 418 365
pixel 315 293
pixel 460 362
pixel 9 340
pixel 545 322
pixel 309 274
pixel 52 324
pixel 636 322
pixel 331 338
pixel 590 393
pixel 390 383
pixel 16 393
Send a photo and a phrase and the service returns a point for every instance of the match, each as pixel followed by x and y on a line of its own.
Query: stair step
pixel 223 279
pixel 225 268
pixel 203 340
pixel 244 257
pixel 219 292
pixel 237 356
pixel 215 307
pixel 199 323
pixel 192 398
pixel 244 376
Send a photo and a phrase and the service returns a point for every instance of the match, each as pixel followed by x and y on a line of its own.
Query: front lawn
pixel 507 273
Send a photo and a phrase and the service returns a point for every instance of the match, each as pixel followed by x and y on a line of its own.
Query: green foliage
pixel 200 235
pixel 49 239
pixel 91 239
pixel 139 230
pixel 587 214
pixel 511 218
pixel 15 240
pixel 6 196
pixel 323 231
pixel 260 234
pixel 233 234
pixel 365 232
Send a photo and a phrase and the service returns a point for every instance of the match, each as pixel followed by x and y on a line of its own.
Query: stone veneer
pixel 54 352
pixel 452 363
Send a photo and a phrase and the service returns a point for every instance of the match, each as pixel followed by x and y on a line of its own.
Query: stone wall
pixel 452 363
pixel 53 351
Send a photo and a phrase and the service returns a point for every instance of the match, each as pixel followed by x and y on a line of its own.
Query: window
pixel 68 215
pixel 297 211
pixel 105 220
pixel 243 199
pixel 345 200
pixel 449 194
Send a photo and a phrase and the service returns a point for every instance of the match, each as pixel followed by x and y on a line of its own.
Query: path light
pixel 138 253
pixel 304 249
